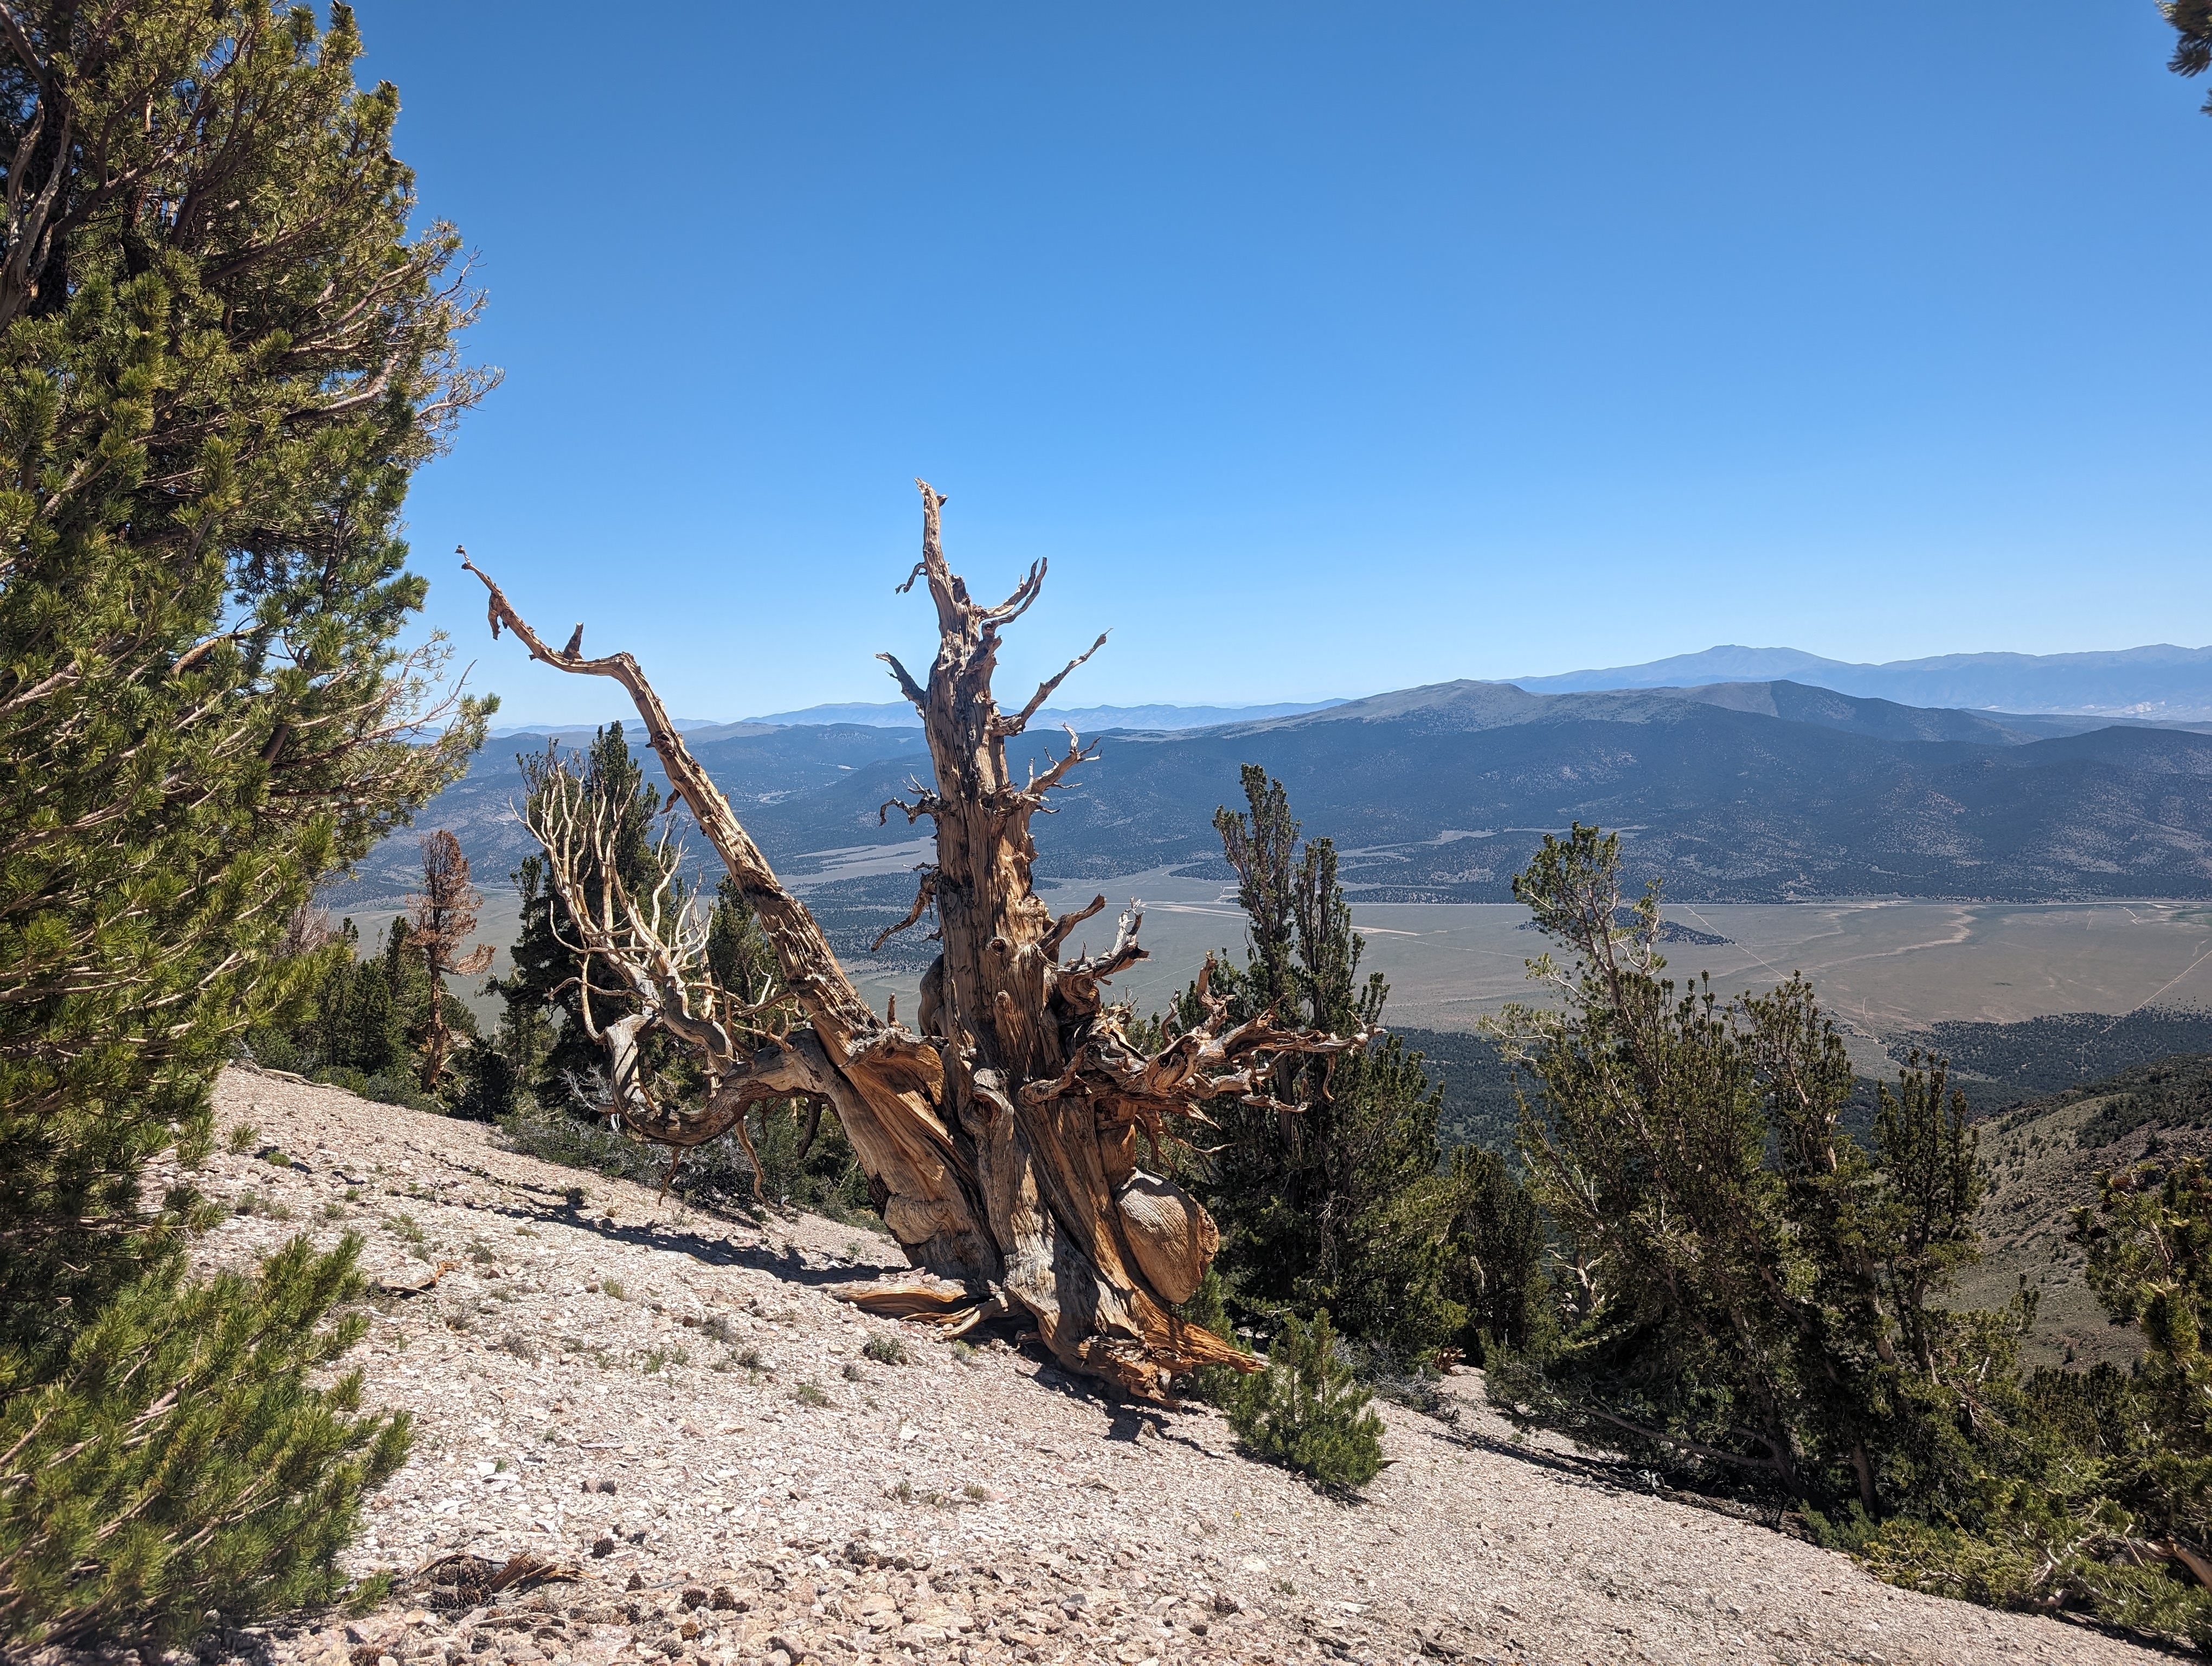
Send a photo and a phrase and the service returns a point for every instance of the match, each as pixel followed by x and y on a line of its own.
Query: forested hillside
pixel 1744 792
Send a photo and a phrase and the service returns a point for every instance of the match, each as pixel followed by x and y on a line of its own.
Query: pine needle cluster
pixel 179 1459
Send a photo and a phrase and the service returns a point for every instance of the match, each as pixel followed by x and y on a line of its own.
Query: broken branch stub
pixel 1002 1142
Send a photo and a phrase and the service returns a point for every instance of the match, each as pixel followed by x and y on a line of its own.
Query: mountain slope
pixel 1440 794
pixel 2159 683
pixel 655 1400
pixel 899 714
pixel 2041 1163
pixel 1741 791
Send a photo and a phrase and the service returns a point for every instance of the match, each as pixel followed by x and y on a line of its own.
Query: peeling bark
pixel 1001 1138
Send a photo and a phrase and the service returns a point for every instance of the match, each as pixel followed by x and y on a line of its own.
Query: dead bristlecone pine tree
pixel 1001 1134
pixel 440 917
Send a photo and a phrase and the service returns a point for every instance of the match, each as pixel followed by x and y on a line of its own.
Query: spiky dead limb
pixel 1001 1136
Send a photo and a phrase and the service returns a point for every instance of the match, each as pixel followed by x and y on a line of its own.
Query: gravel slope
pixel 703 1443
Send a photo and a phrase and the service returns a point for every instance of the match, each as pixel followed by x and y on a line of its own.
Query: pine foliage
pixel 2193 46
pixel 1306 1410
pixel 1338 1203
pixel 1745 1290
pixel 1743 1295
pixel 365 1021
pixel 180 1460
pixel 224 352
pixel 1494 1263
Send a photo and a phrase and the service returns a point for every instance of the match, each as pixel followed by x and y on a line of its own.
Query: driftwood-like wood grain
pixel 1002 1137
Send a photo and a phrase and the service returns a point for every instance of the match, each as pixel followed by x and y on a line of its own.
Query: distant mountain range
pixel 1085 720
pixel 1747 791
pixel 2161 683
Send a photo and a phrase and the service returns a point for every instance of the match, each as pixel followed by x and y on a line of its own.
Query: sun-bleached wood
pixel 1001 1135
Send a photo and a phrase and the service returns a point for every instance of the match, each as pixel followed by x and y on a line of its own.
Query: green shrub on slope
pixel 180 1461
pixel 1307 1409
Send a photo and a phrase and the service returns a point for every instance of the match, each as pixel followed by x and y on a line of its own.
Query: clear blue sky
pixel 1323 350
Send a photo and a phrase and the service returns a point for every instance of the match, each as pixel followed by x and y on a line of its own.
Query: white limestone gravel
pixel 669 1405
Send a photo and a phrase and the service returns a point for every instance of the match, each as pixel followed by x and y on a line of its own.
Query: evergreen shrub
pixel 180 1462
pixel 1308 1411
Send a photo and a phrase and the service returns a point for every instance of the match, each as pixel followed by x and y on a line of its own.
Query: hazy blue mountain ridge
pixel 1441 794
pixel 1739 792
pixel 900 715
pixel 2158 682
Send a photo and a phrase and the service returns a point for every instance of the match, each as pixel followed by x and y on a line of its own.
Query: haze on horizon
pixel 1322 353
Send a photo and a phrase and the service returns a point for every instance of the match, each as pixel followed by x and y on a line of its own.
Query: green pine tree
pixel 1307 1409
pixel 223 352
pixel 545 967
pixel 1338 1204
pixel 1495 1255
pixel 1745 1290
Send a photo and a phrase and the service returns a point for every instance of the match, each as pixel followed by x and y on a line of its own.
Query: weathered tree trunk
pixel 1001 1136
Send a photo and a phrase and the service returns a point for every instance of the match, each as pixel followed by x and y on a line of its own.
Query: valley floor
pixel 670 1407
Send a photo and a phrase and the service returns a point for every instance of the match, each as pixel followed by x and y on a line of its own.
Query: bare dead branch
pixel 908 686
pixel 1068 923
pixel 1015 724
pixel 923 896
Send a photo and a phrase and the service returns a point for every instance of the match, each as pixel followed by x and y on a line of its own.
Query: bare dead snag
pixel 1002 1139
pixel 440 918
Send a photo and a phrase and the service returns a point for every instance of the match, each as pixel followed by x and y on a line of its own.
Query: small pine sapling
pixel 1306 1410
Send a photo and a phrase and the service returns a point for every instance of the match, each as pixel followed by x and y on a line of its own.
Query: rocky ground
pixel 644 1434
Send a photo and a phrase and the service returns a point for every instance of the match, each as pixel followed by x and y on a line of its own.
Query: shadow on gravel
pixel 1617 1476
pixel 552 1206
pixel 785 1262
